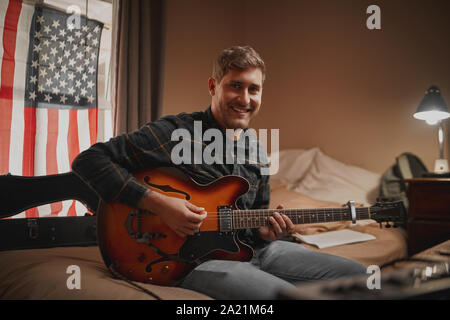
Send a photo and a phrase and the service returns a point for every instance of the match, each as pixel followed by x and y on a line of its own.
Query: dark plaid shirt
pixel 108 167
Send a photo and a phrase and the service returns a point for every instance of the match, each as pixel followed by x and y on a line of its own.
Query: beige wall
pixel 331 82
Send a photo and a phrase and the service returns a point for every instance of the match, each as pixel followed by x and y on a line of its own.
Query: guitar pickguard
pixel 199 245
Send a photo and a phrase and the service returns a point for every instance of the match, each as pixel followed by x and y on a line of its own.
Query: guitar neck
pixel 243 219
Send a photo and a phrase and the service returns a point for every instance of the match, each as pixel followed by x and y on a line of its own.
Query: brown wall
pixel 331 82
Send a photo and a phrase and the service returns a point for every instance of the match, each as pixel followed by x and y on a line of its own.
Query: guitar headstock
pixel 392 211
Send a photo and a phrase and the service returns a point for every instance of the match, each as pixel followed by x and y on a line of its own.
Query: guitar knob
pixel 165 269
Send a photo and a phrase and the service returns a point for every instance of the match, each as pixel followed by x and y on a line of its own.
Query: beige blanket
pixel 44 274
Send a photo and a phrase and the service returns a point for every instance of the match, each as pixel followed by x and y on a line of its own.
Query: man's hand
pixel 280 226
pixel 180 215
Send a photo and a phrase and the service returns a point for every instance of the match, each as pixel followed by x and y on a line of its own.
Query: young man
pixel 236 90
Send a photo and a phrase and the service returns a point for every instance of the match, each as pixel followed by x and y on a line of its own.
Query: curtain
pixel 138 55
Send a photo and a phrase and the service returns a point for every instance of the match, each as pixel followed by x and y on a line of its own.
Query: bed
pixel 306 179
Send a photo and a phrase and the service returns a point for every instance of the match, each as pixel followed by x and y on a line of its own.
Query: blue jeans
pixel 275 267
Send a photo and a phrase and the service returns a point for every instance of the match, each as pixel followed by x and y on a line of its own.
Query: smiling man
pixel 236 97
pixel 235 87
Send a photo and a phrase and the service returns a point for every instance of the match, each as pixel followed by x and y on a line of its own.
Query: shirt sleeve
pixel 108 167
pixel 262 200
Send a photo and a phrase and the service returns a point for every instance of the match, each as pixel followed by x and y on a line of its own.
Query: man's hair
pixel 239 58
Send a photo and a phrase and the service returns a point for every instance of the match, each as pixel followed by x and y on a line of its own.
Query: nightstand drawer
pixel 429 212
pixel 429 198
pixel 423 234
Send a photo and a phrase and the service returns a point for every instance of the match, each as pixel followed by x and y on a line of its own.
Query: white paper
pixel 334 238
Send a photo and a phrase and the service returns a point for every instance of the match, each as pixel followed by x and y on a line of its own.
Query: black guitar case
pixel 19 193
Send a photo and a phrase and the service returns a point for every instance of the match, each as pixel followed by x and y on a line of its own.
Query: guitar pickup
pixel 225 218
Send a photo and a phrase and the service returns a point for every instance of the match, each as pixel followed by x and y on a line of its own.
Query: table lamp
pixel 433 110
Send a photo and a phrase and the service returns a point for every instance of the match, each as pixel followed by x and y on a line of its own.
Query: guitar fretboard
pixel 243 219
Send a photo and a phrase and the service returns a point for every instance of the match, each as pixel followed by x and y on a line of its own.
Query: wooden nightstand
pixel 429 213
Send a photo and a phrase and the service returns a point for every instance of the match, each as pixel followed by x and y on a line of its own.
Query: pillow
pixel 331 180
pixel 293 164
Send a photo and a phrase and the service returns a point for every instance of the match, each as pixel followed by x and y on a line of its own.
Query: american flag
pixel 48 93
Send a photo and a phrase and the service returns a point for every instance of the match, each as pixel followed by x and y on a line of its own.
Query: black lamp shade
pixel 432 101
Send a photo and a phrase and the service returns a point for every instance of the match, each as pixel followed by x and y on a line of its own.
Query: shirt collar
pixel 211 120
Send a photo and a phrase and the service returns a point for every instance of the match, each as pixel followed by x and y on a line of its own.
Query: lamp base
pixel 441 166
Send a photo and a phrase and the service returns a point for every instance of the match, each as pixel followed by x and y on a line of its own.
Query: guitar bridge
pixel 129 223
pixel 140 237
pixel 147 237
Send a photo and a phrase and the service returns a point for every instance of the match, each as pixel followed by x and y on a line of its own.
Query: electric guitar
pixel 140 247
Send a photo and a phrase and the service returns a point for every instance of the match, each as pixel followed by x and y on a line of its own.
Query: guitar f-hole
pixel 166 188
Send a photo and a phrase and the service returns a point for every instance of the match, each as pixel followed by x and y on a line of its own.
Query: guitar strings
pixel 251 214
pixel 289 211
pixel 299 211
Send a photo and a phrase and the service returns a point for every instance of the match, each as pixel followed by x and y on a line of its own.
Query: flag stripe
pixel 93 124
pixel 63 152
pixel 72 210
pixel 74 146
pixel 40 147
pixel 18 121
pixel 40 167
pixel 52 138
pixel 84 140
pixel 3 9
pixel 65 208
pixel 61 142
pixel 29 141
pixel 72 139
pixel 51 160
pixel 29 150
pixel 7 80
pixel 56 208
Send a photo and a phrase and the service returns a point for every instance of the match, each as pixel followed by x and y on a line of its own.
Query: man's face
pixel 236 99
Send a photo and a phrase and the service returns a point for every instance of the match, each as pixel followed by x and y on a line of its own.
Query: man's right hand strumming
pixel 183 217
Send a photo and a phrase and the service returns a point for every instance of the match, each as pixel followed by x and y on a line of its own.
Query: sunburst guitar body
pixel 138 245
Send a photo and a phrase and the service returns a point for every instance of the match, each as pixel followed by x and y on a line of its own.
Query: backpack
pixel 393 186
